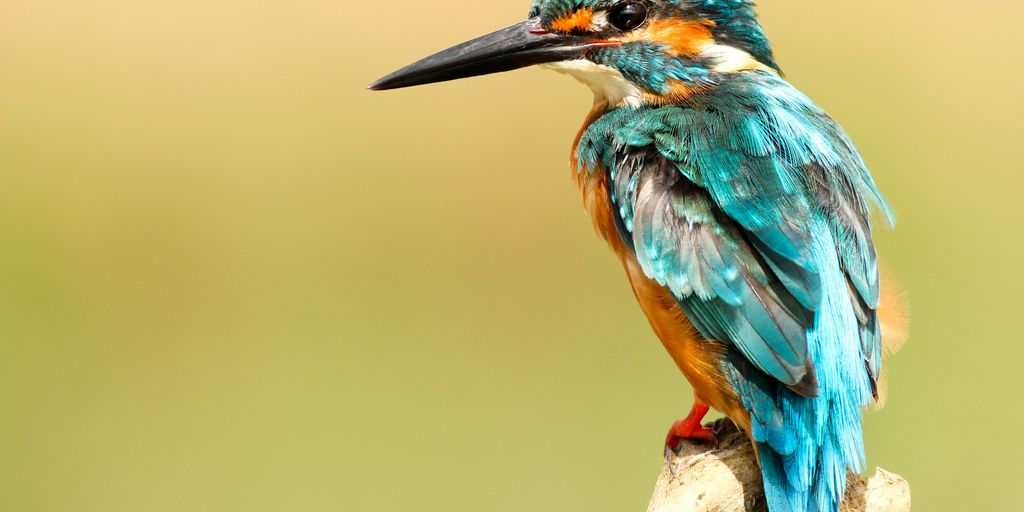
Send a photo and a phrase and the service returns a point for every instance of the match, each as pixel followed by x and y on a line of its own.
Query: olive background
pixel 231 278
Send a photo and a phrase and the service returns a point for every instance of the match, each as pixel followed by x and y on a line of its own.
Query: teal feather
pixel 751 205
pixel 650 66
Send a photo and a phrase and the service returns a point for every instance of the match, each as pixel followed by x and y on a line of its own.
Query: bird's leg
pixel 691 427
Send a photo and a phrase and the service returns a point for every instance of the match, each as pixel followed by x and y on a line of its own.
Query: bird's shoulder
pixel 760 148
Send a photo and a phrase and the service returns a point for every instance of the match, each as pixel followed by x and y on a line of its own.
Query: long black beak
pixel 518 46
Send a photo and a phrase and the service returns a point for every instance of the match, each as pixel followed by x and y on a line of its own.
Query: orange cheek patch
pixel 684 37
pixel 577 21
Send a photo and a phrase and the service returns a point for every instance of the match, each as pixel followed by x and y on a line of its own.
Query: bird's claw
pixel 688 429
pixel 691 428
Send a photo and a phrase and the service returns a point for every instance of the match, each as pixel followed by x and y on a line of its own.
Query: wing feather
pixel 717 198
pixel 685 242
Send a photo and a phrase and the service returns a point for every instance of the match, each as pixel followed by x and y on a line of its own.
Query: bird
pixel 740 211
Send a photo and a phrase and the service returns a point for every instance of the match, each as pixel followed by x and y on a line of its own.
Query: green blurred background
pixel 233 279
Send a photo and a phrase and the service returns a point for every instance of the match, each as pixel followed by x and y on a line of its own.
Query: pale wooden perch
pixel 727 479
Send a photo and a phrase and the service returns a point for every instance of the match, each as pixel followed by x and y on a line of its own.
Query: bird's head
pixel 630 52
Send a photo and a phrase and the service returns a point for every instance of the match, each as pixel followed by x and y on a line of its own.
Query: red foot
pixel 691 428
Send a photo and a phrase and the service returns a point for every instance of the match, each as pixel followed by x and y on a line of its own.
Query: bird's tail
pixel 807 445
pixel 812 477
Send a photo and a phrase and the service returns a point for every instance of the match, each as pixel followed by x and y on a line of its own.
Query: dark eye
pixel 628 16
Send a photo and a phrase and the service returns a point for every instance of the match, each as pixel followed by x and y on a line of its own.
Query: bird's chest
pixel 598 206
pixel 593 183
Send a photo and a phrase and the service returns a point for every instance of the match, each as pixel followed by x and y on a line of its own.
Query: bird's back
pixel 747 208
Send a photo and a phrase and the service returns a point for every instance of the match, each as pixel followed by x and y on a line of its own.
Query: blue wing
pixel 686 242
pixel 717 197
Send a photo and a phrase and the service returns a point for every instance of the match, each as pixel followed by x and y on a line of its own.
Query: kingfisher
pixel 740 211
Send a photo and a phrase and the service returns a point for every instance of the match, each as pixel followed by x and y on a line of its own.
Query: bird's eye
pixel 628 16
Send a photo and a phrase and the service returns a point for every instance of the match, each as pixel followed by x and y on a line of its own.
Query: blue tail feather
pixel 806 445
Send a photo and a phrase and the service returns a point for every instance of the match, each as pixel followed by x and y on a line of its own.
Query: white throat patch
pixel 607 83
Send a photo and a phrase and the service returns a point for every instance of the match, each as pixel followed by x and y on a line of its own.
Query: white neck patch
pixel 729 59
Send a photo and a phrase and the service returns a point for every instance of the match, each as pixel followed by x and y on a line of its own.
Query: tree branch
pixel 727 479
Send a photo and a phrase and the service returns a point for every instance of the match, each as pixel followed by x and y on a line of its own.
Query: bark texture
pixel 727 479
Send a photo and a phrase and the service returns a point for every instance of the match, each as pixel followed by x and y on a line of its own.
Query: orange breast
pixel 696 357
